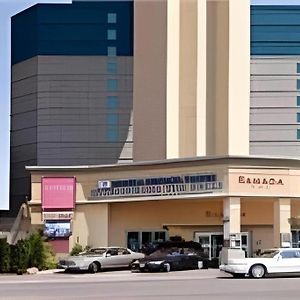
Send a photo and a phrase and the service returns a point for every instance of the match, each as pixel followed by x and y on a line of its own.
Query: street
pixel 185 285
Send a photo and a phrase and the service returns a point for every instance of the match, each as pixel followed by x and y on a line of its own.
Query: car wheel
pixel 94 267
pixel 167 267
pixel 258 271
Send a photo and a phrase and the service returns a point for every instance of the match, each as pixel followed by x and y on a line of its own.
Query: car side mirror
pixel 108 254
pixel 279 257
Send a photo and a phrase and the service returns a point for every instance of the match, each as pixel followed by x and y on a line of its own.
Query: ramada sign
pixel 260 180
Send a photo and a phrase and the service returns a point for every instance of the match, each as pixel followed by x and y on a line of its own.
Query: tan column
pixel 173 60
pixel 201 78
pixel 188 79
pixel 282 227
pixel 232 217
pixel 228 77
pixel 239 77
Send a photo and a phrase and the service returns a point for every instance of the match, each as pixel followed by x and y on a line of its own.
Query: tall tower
pixel 71 101
pixel 196 89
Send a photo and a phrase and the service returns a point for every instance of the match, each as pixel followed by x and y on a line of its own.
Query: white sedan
pixel 274 261
pixel 100 258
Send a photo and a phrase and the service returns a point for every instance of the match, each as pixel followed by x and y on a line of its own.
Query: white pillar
pixel 282 227
pixel 231 217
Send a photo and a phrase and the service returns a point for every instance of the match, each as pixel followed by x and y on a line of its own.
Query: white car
pixel 100 258
pixel 274 261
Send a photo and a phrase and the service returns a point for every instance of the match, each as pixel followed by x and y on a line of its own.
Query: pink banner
pixel 58 192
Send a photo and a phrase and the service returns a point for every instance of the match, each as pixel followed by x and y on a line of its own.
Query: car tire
pixel 94 267
pixel 258 271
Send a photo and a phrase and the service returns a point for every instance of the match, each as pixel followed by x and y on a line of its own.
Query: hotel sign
pixel 260 180
pixel 59 215
pixel 158 186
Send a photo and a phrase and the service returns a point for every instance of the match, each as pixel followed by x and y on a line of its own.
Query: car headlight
pixel 158 262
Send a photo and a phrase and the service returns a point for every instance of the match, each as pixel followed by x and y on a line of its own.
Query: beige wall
pixel 90 225
pixel 179 216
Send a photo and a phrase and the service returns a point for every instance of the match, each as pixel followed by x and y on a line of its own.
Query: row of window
pixel 112 102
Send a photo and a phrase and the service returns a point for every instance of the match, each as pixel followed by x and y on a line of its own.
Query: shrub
pixel 77 248
pixel 4 256
pixel 50 261
pixel 36 251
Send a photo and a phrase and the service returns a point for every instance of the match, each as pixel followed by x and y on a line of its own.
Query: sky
pixel 7 9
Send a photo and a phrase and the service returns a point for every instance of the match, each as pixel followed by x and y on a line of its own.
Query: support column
pixel 282 227
pixel 232 217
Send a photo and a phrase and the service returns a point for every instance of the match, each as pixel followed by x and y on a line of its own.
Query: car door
pixel 288 262
pixel 110 259
pixel 124 257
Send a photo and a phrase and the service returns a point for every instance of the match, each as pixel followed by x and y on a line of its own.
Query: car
pixel 168 260
pixel 100 258
pixel 280 261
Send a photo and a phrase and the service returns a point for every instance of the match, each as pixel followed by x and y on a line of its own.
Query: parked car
pixel 100 258
pixel 170 260
pixel 274 261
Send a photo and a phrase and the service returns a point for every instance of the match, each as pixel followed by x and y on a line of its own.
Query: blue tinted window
pixel 298 100
pixel 298 84
pixel 111 67
pixel 112 101
pixel 111 18
pixel 111 34
pixel 298 68
pixel 112 133
pixel 111 51
pixel 112 84
pixel 298 134
pixel 112 119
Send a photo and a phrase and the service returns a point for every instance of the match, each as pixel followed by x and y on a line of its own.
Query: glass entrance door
pixel 212 243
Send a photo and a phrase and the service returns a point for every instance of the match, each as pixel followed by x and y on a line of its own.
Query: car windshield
pixel 94 251
pixel 268 253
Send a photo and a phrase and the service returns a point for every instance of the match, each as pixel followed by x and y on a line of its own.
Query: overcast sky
pixel 7 9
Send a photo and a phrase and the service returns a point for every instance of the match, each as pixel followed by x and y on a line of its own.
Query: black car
pixel 170 260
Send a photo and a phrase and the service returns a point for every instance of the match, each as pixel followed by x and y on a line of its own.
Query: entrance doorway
pixel 212 243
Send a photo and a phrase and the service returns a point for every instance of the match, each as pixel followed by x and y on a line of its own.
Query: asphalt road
pixel 123 285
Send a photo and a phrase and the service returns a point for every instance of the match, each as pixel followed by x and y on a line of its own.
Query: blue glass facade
pixel 79 28
pixel 275 30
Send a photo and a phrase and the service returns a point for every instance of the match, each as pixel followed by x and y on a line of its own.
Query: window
pixel 111 18
pixel 288 254
pixel 112 119
pixel 298 100
pixel 112 133
pixel 136 240
pixel 111 51
pixel 298 117
pixel 111 67
pixel 111 34
pixel 298 134
pixel 112 84
pixel 112 102
pixel 298 68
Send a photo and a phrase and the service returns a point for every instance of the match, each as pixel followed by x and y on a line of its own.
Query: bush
pixel 4 256
pixel 77 248
pixel 36 251
pixel 50 261
pixel 32 252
